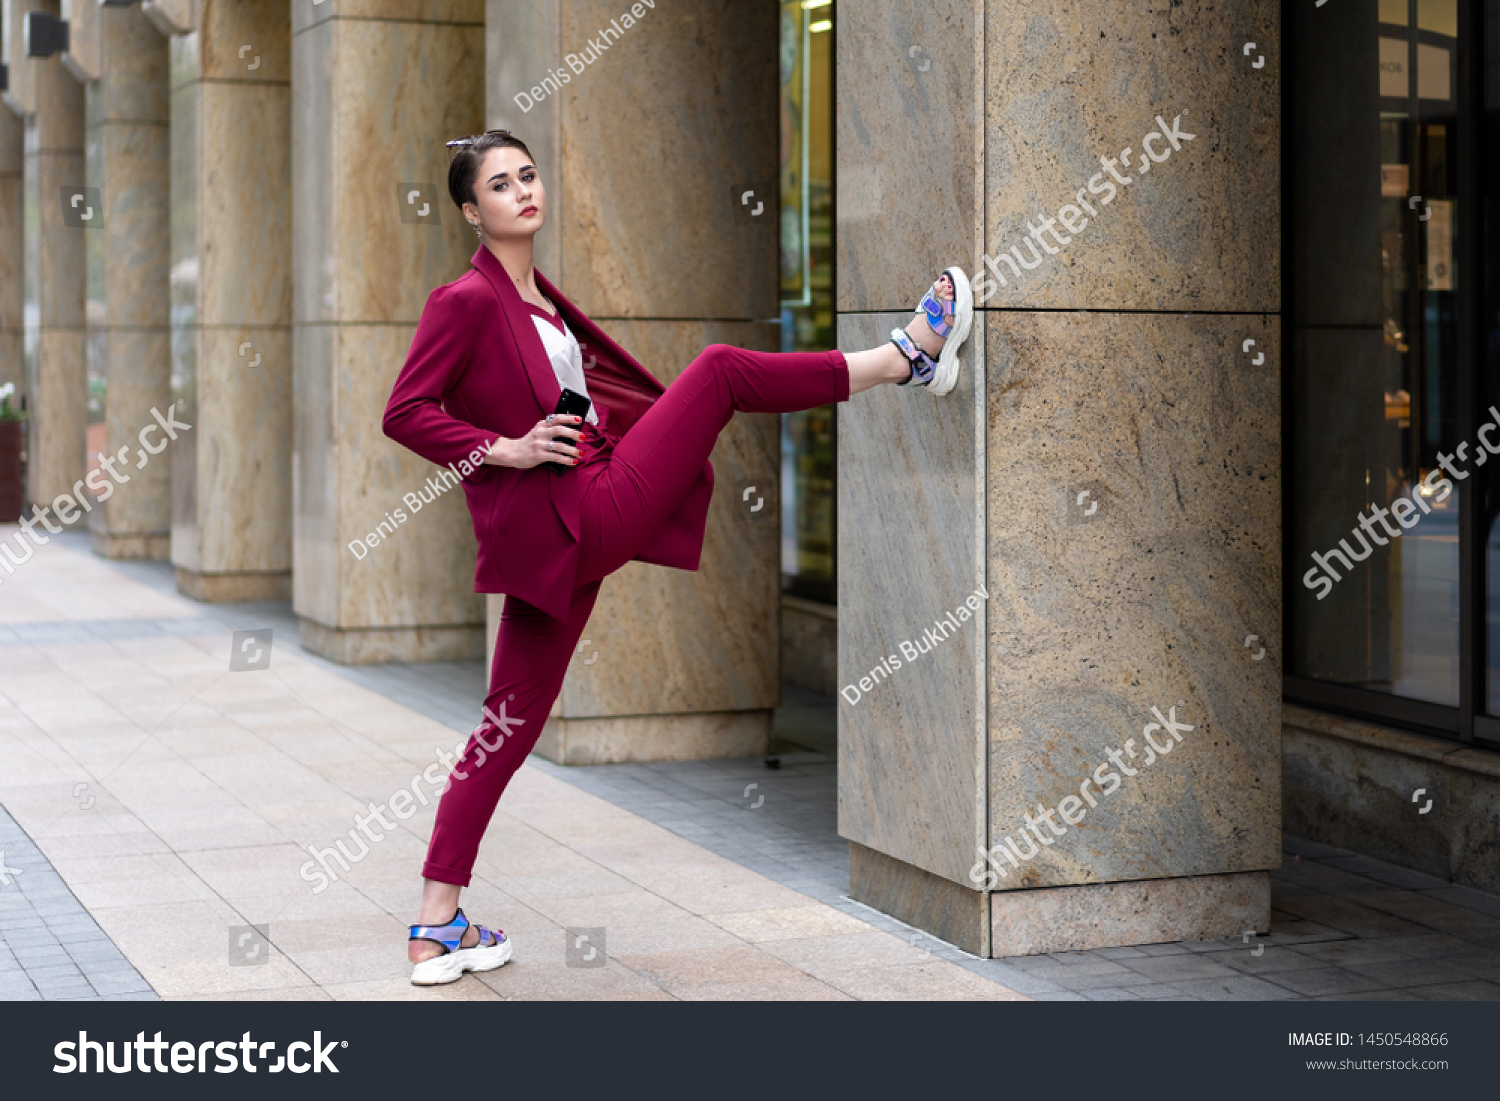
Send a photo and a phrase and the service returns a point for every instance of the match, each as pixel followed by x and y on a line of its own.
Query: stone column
pixel 12 245
pixel 231 295
pixel 1087 529
pixel 676 665
pixel 376 93
pixel 123 60
pixel 55 265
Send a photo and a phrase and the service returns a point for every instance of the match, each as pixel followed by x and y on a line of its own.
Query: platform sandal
pixel 949 320
pixel 492 951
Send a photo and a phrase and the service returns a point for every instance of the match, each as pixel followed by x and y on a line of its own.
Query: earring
pixel 477 231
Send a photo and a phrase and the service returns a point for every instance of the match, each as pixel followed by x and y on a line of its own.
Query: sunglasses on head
pixel 464 143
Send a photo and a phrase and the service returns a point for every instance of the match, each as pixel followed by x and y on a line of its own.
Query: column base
pixel 1117 915
pixel 234 588
pixel 125 547
pixel 949 911
pixel 1061 919
pixel 696 736
pixel 384 645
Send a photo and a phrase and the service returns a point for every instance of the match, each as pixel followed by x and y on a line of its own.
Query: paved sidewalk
pixel 207 785
pixel 697 879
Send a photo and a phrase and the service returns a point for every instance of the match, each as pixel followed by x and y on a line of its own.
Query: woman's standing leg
pixel 532 651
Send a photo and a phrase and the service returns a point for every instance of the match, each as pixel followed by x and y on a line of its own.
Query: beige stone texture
pixel 1072 390
pixel 231 297
pixel 1096 619
pixel 911 509
pixel 129 162
pixel 372 83
pixel 56 272
pixel 699 649
pixel 1144 911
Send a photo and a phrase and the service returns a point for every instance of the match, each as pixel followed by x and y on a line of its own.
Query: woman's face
pixel 511 201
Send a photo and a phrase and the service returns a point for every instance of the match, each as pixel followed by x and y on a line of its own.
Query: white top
pixel 566 356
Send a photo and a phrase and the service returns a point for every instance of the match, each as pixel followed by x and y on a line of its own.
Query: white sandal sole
pixel 451 967
pixel 946 375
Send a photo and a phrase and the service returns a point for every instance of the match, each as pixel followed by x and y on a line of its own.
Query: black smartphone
pixel 570 404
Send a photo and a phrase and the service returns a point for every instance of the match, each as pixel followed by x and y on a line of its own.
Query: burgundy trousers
pixel 631 484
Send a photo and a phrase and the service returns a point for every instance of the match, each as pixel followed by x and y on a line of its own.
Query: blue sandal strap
pixel 939 311
pixel 923 366
pixel 450 936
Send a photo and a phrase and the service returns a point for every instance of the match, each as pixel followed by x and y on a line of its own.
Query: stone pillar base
pixel 696 736
pixel 1116 915
pixel 947 910
pixel 1061 919
pixel 234 588
pixel 383 645
pixel 153 548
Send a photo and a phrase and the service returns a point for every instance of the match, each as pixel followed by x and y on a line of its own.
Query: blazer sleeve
pixel 439 355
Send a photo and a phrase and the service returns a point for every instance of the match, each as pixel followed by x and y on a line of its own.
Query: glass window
pixel 1376 372
pixel 807 438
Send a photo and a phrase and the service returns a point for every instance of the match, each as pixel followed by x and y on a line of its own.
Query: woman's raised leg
pixel 658 459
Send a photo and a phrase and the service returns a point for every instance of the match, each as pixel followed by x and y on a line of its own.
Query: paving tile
pixel 1411 974
pixel 1014 978
pixel 1173 969
pixel 1460 992
pixel 1240 988
pixel 1059 996
pixel 1436 946
pixel 1071 980
pixel 1301 846
pixel 1468 898
pixel 1348 952
pixel 119 983
pixel 1324 980
pixel 1390 874
pixel 1270 960
pixel 1112 994
pixel 1350 917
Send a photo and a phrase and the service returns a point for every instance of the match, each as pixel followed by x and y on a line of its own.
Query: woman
pixel 492 353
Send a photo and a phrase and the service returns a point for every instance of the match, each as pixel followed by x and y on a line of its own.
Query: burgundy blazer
pixel 478 370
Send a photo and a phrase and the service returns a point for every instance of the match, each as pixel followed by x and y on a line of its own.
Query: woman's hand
pixel 532 449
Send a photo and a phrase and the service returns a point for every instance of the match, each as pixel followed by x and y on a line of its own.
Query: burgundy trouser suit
pixel 631 484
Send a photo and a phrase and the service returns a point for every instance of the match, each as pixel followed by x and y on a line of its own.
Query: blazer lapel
pixel 529 347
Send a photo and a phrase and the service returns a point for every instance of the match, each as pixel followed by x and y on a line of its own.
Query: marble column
pixel 377 90
pixel 1087 529
pixel 675 665
pixel 231 290
pixel 55 266
pixel 123 60
pixel 12 248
